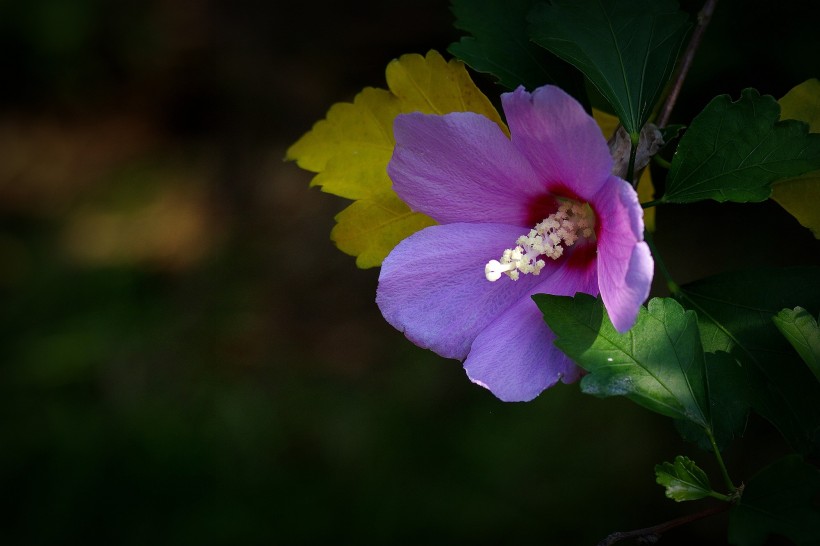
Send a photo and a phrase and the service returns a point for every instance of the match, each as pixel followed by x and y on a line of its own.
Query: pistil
pixel 548 239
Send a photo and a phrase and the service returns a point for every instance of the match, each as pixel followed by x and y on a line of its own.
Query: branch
pixel 704 16
pixel 652 534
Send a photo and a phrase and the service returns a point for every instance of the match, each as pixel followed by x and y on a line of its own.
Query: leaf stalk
pixel 670 283
pixel 727 480
pixel 661 162
pixel 634 139
pixel 721 496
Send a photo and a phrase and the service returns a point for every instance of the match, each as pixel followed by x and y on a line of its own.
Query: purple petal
pixel 432 285
pixel 562 142
pixel 514 356
pixel 461 167
pixel 625 265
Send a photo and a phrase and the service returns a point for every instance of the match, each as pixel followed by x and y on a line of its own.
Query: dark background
pixel 185 358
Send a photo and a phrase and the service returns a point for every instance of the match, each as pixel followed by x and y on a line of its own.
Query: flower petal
pixel 461 167
pixel 625 265
pixel 514 356
pixel 432 285
pixel 562 142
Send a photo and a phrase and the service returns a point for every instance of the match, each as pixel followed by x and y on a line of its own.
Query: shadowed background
pixel 186 358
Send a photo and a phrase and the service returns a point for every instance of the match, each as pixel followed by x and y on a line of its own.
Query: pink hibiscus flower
pixel 539 212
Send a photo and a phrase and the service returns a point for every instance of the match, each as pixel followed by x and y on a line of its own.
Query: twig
pixel 654 532
pixel 704 16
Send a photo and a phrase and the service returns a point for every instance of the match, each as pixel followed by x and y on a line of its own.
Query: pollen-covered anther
pixel 549 238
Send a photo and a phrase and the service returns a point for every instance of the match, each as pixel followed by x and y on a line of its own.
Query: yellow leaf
pixel 646 193
pixel 369 228
pixel 800 195
pixel 433 86
pixel 803 102
pixel 350 149
pixel 606 122
pixel 646 189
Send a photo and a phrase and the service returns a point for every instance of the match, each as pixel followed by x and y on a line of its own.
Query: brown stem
pixel 704 16
pixel 657 530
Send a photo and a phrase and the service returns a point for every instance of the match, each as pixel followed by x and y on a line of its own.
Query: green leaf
pixel 671 132
pixel 626 48
pixel 727 389
pixel 657 364
pixel 735 313
pixel 499 46
pixel 683 480
pixel 801 329
pixel 733 151
pixel 780 500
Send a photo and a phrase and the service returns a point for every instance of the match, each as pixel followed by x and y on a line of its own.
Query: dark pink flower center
pixel 561 223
